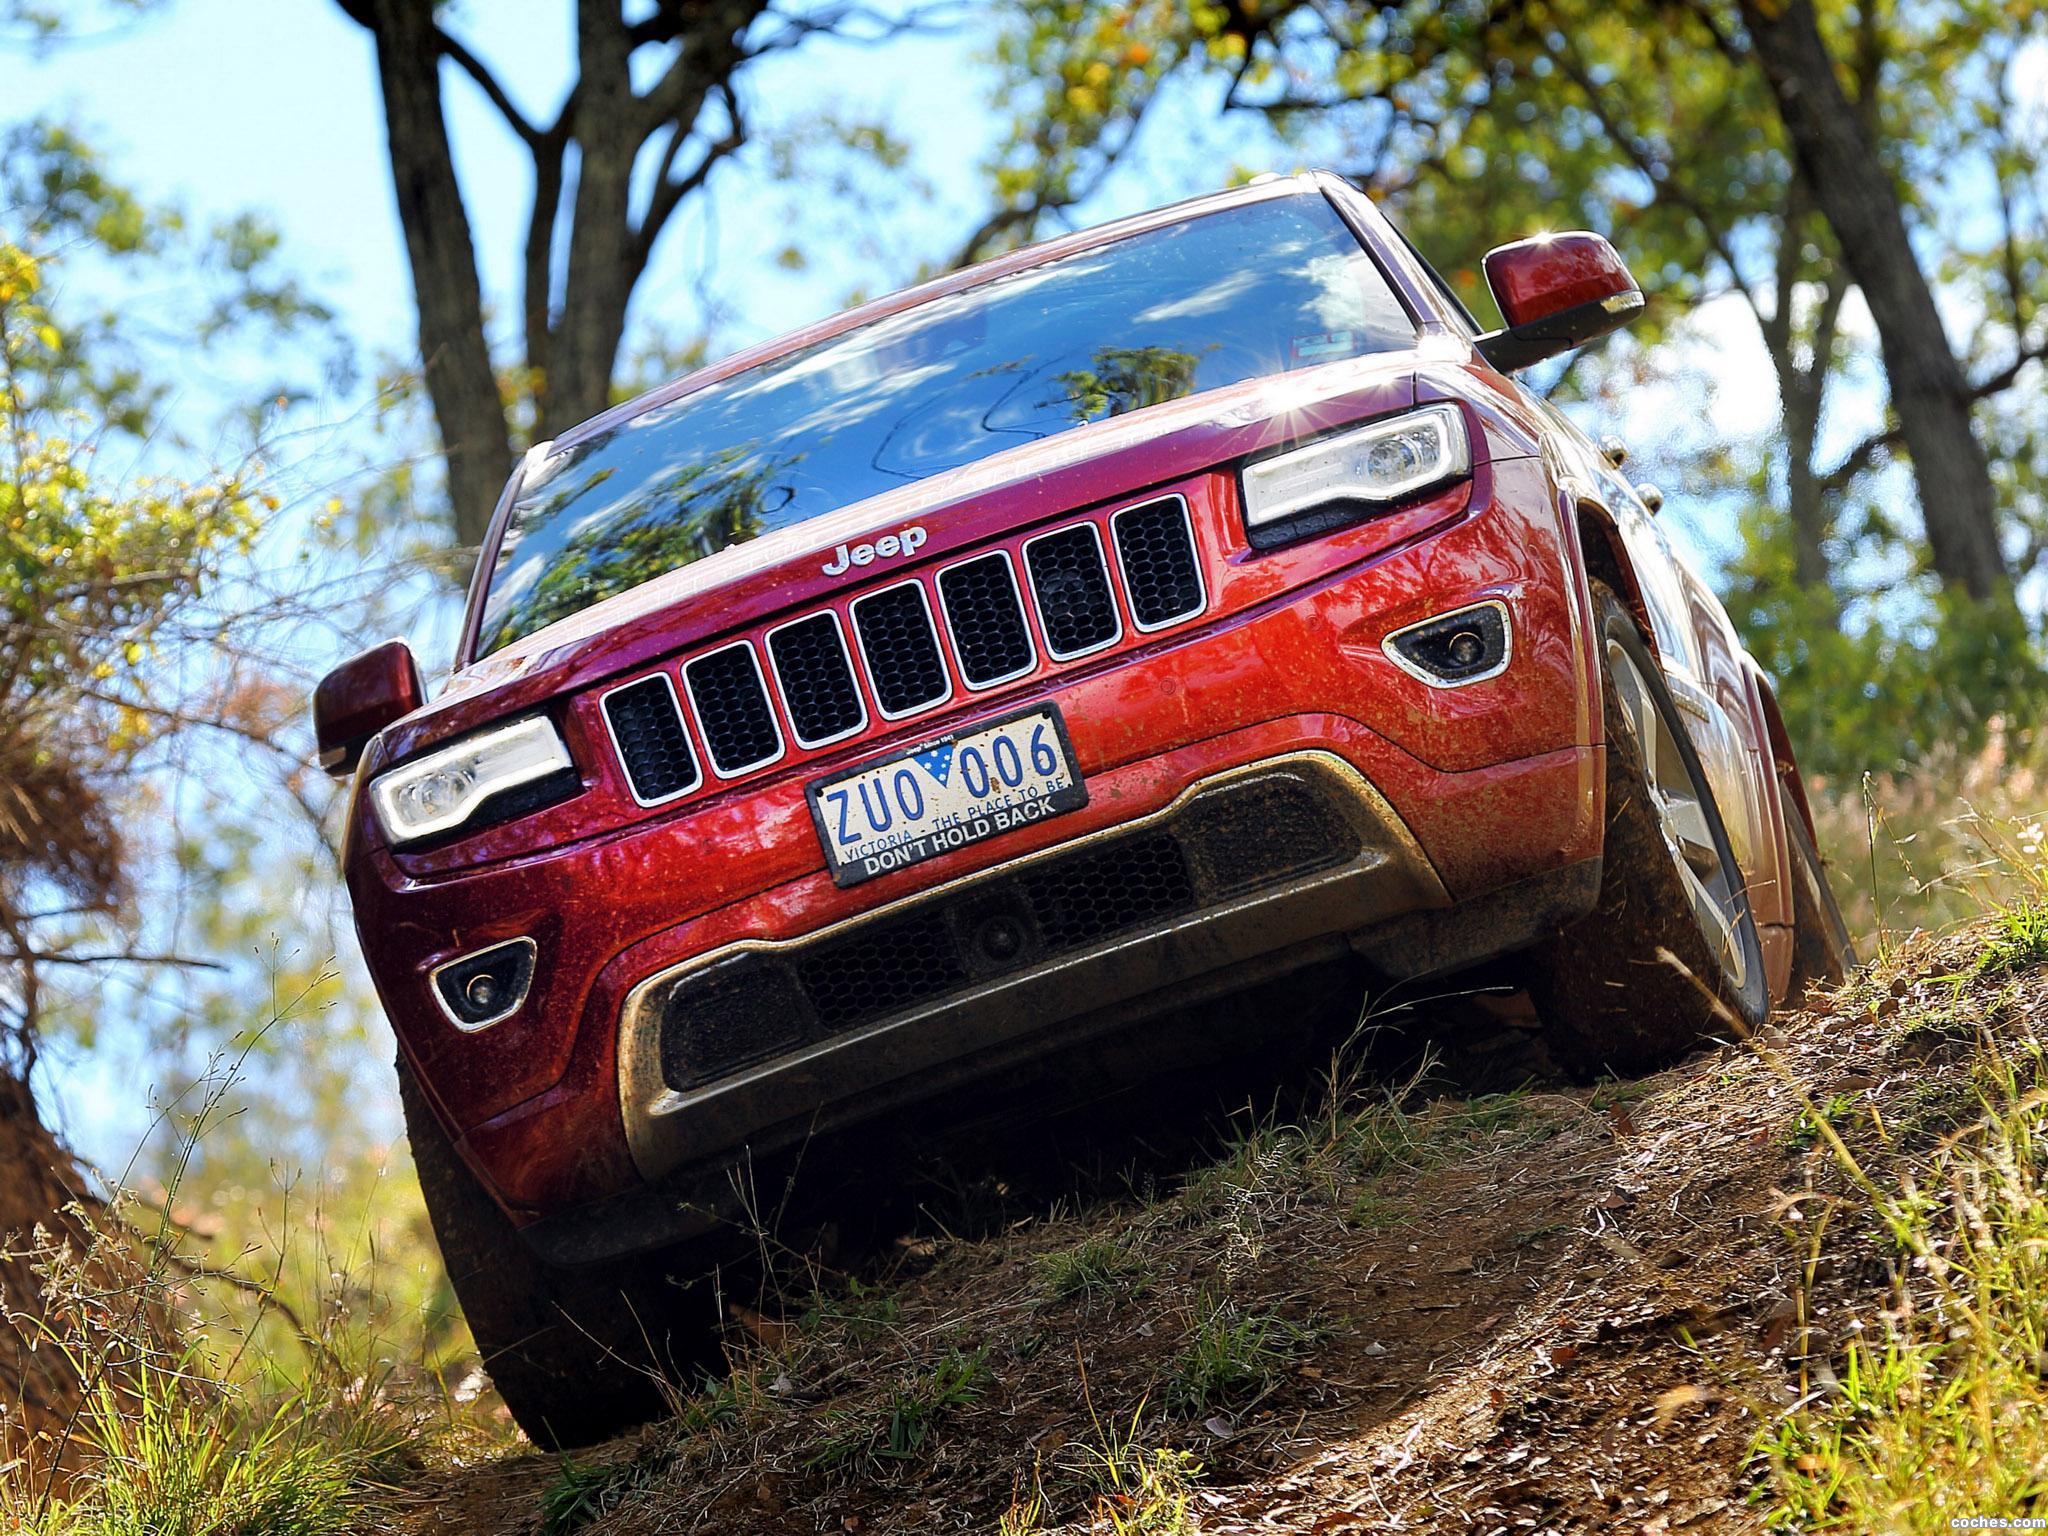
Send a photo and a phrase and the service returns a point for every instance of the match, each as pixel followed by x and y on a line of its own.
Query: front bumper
pixel 1261 899
pixel 1251 862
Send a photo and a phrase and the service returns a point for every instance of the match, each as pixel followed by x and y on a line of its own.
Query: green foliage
pixel 1233 1355
pixel 1919 673
pixel 1098 1266
pixel 1940 1409
pixel 93 575
pixel 2018 940
pixel 177 1459
pixel 90 569
pixel 873 1439
pixel 1137 1488
pixel 110 361
pixel 860 1313
pixel 1478 124
pixel 582 1493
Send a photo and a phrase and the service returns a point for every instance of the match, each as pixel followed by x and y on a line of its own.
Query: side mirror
pixel 359 698
pixel 1556 292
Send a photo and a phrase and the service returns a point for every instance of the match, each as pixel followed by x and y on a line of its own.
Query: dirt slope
pixel 1561 1309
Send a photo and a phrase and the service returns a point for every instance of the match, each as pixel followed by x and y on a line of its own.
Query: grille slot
pixel 1155 549
pixel 1070 581
pixel 816 677
pixel 985 617
pixel 901 649
pixel 731 701
pixel 647 729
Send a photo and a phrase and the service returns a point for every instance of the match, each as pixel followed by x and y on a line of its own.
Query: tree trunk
pixel 461 382
pixel 1805 502
pixel 1930 393
pixel 1800 392
pixel 584 345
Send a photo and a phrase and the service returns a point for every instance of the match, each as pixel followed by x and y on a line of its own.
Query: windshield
pixel 1237 294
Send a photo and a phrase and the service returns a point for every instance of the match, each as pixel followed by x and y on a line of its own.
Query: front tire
pixel 1611 997
pixel 578 1355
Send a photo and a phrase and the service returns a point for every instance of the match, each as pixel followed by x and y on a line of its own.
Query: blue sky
pixel 272 105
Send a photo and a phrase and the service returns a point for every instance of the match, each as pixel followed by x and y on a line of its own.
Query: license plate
pixel 946 794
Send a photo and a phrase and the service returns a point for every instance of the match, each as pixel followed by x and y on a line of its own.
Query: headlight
pixel 443 789
pixel 1383 462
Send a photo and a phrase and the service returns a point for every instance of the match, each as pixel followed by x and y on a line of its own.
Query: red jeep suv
pixel 997 666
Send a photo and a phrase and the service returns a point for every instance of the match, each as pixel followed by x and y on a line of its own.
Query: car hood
pixel 960 508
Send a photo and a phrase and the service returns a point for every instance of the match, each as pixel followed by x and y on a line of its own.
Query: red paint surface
pixel 1537 278
pixel 363 695
pixel 1498 780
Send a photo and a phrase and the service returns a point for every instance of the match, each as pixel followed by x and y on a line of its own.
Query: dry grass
pixel 1932 1407
pixel 1939 845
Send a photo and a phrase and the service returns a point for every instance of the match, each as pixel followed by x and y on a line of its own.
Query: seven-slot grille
pixel 896 634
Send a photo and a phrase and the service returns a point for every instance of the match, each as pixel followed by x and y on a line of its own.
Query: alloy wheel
pixel 1678 800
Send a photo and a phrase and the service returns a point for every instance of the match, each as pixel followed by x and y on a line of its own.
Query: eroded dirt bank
pixel 1562 1308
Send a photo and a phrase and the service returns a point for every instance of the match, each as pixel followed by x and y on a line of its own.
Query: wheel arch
pixel 1783 760
pixel 1606 559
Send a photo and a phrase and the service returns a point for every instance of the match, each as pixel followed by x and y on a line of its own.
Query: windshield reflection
pixel 1226 296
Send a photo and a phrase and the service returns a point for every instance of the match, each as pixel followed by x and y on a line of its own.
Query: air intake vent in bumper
pixel 647 728
pixel 985 616
pixel 1155 548
pixel 1272 828
pixel 732 708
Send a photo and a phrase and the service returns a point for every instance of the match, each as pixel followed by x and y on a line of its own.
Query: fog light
pixel 1453 649
pixel 480 989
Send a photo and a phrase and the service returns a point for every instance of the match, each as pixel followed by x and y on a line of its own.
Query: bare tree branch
pixel 455 51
